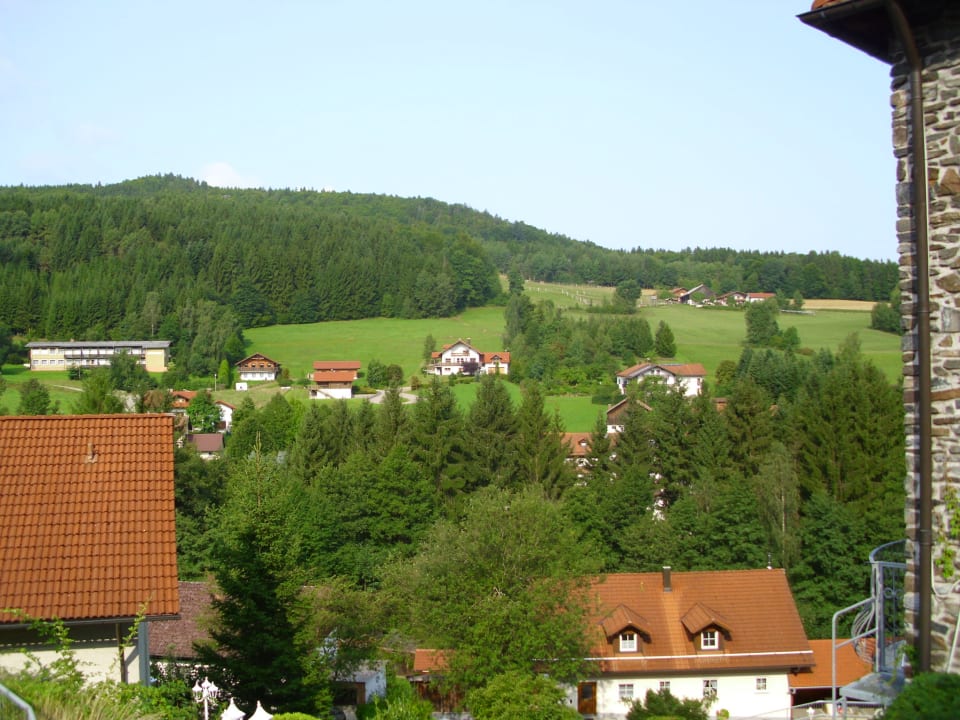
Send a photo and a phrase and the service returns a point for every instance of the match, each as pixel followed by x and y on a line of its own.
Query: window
pixel 709 688
pixel 628 642
pixel 708 640
pixel 664 685
pixel 626 692
pixel 761 684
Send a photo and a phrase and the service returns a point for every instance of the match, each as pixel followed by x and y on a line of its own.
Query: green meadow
pixel 705 335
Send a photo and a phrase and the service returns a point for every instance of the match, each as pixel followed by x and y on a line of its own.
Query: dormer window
pixel 709 640
pixel 628 641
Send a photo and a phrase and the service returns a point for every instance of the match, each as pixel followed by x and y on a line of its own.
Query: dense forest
pixel 165 256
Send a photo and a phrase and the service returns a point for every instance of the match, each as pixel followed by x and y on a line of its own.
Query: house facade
pixel 154 355
pixel 257 368
pixel 333 379
pixel 733 635
pixel 920 41
pixel 87 536
pixel 689 376
pixel 460 357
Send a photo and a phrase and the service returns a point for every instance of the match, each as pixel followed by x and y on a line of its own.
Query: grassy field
pixel 705 335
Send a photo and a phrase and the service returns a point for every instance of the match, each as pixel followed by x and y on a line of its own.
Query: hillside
pixel 168 257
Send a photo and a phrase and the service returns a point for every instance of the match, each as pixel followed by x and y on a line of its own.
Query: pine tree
pixel 663 343
pixel 538 447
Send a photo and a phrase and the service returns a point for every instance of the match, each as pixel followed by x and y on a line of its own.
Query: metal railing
pixel 13 707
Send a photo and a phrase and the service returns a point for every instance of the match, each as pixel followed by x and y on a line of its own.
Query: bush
pixel 931 696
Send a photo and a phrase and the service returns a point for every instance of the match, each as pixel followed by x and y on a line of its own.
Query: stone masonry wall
pixel 940 47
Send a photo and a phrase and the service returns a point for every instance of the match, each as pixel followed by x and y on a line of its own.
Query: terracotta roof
pixel 182 398
pixel 488 357
pixel 622 618
pixel 326 376
pixel 175 638
pixel 578 443
pixel 87 529
pixel 817 4
pixel 754 606
pixel 426 661
pixel 336 365
pixel 849 667
pixel 634 369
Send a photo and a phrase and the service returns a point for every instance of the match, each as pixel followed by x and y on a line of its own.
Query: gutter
pixel 924 585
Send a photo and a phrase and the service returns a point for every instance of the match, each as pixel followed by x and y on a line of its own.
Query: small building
pixel 208 445
pixel 87 537
pixel 689 376
pixel 688 296
pixel 153 355
pixel 333 379
pixel 257 367
pixel 461 358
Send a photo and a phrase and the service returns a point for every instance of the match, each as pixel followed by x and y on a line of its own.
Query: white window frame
pixel 628 641
pixel 710 688
pixel 626 692
pixel 709 640
pixel 664 685
pixel 761 684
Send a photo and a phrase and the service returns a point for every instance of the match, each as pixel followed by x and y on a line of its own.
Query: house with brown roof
pixel 257 368
pixel 733 635
pixel 333 379
pixel 689 376
pixel 87 536
pixel 831 671
pixel 462 358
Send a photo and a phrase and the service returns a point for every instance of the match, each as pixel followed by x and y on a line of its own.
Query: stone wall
pixel 940 47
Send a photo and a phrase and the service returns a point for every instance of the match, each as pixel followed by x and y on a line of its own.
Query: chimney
pixel 666 579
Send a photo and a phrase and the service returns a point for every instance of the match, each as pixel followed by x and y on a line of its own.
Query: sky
pixel 629 124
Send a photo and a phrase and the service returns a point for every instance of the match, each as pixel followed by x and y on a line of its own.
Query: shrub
pixel 932 696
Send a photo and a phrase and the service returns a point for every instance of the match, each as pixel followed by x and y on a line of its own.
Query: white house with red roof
pixel 689 376
pixel 733 635
pixel 461 357
pixel 333 379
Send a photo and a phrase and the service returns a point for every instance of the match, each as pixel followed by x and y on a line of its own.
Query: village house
pixel 688 297
pixel 462 358
pixel 153 355
pixel 733 636
pixel 257 368
pixel 87 536
pixel 333 379
pixel 689 376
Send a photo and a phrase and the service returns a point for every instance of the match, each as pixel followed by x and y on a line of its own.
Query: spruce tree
pixel 664 344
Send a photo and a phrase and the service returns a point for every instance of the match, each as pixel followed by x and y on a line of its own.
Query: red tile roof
pixel 87 529
pixel 339 376
pixel 754 610
pixel 680 369
pixel 336 365
pixel 207 442
pixel 849 667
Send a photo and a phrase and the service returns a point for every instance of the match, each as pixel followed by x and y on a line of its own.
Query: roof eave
pixel 866 24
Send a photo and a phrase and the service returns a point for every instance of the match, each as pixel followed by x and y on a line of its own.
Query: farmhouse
pixel 333 379
pixel 462 358
pixel 689 376
pixel 153 355
pixel 257 367
pixel 733 635
pixel 87 535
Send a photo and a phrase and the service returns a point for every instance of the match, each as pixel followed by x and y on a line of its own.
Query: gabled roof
pixel 336 365
pixel 756 606
pixel 676 369
pixel 623 618
pixel 256 356
pixel 699 617
pixel 87 529
pixel 327 376
pixel 500 356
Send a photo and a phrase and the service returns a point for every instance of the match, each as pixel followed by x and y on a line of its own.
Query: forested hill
pixel 86 261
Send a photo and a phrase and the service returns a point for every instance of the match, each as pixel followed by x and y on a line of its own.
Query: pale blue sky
pixel 627 123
